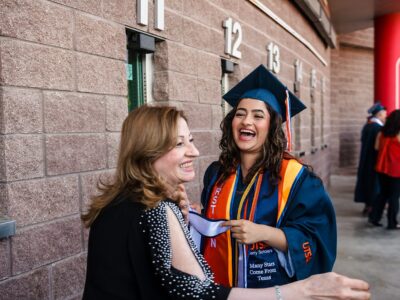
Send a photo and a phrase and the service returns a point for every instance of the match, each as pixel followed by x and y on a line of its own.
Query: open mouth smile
pixel 247 133
pixel 185 165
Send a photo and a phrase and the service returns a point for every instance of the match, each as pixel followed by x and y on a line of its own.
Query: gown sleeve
pixel 178 284
pixel 310 228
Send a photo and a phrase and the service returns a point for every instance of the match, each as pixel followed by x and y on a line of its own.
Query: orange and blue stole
pixel 218 250
pixel 253 265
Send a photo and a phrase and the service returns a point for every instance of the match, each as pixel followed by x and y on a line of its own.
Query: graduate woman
pixel 282 223
pixel 139 246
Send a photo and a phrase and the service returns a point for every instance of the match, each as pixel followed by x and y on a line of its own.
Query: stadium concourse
pixel 364 251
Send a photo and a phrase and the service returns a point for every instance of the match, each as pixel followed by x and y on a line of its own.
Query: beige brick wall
pixel 63 99
pixel 62 102
pixel 362 38
pixel 351 95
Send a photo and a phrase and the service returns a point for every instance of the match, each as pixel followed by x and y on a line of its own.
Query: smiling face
pixel 176 166
pixel 250 125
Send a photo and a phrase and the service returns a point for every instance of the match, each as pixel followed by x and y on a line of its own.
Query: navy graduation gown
pixel 309 223
pixel 367 186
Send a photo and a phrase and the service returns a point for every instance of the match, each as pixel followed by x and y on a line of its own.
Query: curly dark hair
pixel 272 154
pixel 392 125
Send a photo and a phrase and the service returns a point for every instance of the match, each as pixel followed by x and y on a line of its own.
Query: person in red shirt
pixel 388 168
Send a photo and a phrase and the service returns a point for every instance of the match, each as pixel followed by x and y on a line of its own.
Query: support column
pixel 387 61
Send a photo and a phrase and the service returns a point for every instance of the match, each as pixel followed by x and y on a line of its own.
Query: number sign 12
pixel 233 30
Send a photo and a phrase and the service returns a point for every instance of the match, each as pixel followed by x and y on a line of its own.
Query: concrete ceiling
pixel 352 15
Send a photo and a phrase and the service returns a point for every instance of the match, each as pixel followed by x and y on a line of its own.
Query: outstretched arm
pixel 191 273
pixel 327 286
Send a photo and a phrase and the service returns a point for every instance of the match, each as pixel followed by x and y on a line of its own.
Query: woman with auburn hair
pixel 139 246
pixel 388 168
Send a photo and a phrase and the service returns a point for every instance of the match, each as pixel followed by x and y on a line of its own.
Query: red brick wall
pixel 351 95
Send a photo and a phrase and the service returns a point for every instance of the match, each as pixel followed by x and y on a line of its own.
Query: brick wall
pixel 63 99
pixel 351 95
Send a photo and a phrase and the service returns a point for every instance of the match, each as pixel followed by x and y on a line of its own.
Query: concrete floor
pixel 366 252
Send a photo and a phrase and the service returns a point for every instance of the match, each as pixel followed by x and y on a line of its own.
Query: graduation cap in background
pixel 262 85
pixel 377 107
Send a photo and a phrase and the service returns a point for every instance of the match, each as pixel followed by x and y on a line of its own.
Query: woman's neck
pixel 170 190
pixel 247 160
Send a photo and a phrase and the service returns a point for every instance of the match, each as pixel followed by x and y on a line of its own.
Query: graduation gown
pixel 367 185
pixel 308 222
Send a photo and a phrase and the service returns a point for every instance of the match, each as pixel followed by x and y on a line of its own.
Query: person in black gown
pixel 367 185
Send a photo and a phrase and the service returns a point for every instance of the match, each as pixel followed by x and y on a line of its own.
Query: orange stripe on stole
pixel 289 171
pixel 218 250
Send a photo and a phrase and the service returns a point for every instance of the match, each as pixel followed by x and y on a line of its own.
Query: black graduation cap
pixel 377 107
pixel 262 85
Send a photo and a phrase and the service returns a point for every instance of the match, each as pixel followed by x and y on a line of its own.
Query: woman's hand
pixel 245 232
pixel 182 199
pixel 327 286
pixel 196 206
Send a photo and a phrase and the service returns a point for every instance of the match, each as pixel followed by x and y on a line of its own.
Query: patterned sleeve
pixel 178 284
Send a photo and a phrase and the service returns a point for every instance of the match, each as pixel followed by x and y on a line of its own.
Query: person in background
pixel 388 168
pixel 139 246
pixel 367 185
pixel 282 222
